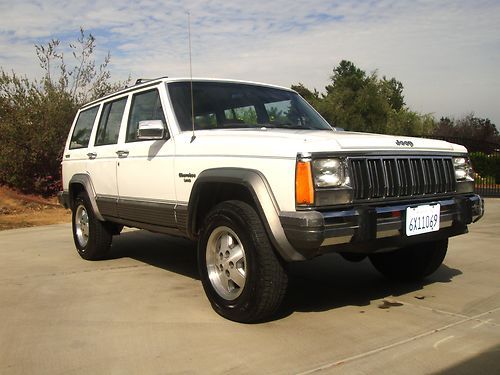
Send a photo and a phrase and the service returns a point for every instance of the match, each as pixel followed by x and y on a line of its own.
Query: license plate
pixel 422 219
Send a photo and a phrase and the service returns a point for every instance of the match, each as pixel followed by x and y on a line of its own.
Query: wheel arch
pixel 216 185
pixel 81 182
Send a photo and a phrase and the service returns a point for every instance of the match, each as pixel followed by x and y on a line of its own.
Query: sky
pixel 446 53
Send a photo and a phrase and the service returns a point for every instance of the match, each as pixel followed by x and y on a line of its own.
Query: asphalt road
pixel 144 311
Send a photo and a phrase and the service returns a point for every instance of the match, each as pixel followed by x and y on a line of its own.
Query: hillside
pixel 19 210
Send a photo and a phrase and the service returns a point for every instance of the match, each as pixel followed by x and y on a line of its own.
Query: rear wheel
pixel 413 262
pixel 91 236
pixel 242 276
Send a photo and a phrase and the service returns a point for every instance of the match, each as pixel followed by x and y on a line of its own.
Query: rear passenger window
pixel 145 106
pixel 83 128
pixel 109 124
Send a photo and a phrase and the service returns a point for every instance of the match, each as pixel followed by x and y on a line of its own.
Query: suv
pixel 259 179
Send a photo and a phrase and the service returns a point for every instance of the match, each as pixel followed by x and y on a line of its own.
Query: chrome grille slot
pixel 418 186
pixel 376 178
pixel 360 177
pixel 430 179
pixel 391 187
pixel 406 177
pixel 391 177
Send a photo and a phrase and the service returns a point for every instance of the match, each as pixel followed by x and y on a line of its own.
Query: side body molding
pixel 84 180
pixel 256 184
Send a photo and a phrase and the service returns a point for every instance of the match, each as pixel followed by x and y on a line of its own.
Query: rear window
pixel 83 128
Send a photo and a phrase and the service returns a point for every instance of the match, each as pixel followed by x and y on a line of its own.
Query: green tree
pixel 35 115
pixel 355 100
pixel 347 76
pixel 410 123
pixel 470 127
pixel 312 97
pixel 392 90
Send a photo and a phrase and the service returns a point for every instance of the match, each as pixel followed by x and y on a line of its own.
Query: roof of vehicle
pixel 143 83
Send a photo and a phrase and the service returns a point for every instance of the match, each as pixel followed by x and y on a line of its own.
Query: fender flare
pixel 85 181
pixel 260 190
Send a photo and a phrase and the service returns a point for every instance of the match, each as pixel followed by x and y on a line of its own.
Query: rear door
pixel 103 155
pixel 77 149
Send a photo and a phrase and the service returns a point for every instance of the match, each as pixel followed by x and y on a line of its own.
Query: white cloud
pixel 446 53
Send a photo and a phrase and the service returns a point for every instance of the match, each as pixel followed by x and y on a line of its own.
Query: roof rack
pixel 144 80
pixel 140 81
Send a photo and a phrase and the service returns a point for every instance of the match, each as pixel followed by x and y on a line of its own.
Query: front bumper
pixel 366 228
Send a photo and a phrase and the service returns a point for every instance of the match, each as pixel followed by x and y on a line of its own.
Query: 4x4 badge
pixel 404 143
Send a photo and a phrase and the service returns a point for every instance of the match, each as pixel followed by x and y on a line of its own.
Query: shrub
pixel 486 165
pixel 35 116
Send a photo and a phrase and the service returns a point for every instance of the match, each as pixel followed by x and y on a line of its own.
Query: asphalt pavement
pixel 143 311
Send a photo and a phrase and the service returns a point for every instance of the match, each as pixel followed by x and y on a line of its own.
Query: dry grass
pixel 20 210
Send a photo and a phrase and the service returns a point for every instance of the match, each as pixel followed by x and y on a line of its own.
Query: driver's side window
pixel 145 106
pixel 241 115
pixel 282 113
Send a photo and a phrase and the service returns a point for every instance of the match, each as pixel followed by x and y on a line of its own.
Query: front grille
pixel 388 177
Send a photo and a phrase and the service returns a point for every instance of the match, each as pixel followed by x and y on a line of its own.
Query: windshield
pixel 221 105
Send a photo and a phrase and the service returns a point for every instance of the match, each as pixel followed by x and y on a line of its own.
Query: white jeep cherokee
pixel 256 176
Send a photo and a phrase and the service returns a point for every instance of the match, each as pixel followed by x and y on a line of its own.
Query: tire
pixel 241 275
pixel 411 263
pixel 91 236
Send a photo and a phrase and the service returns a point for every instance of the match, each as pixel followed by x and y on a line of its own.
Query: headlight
pixel 328 172
pixel 463 169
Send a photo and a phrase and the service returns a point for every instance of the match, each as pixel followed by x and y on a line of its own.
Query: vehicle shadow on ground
pixel 322 284
pixel 169 253
pixel 330 282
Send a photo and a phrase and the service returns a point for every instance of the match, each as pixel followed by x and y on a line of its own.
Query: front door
pixel 145 168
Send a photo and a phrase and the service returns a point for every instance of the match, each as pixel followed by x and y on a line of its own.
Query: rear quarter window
pixel 83 127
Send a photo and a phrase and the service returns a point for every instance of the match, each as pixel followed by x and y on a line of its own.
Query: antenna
pixel 193 137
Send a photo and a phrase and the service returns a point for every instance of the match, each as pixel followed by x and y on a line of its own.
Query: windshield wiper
pixel 287 126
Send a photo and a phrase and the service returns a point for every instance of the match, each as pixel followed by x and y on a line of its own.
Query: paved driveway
pixel 144 311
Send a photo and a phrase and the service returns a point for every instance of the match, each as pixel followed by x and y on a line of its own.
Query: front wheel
pixel 411 263
pixel 242 276
pixel 92 237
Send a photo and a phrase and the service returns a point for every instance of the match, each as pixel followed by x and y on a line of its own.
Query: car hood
pixel 287 143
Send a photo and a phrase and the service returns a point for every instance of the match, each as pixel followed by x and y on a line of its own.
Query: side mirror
pixel 151 130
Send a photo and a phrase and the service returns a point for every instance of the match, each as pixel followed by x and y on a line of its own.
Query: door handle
pixel 122 153
pixel 92 155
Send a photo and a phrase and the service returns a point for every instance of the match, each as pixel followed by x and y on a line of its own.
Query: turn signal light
pixel 304 190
